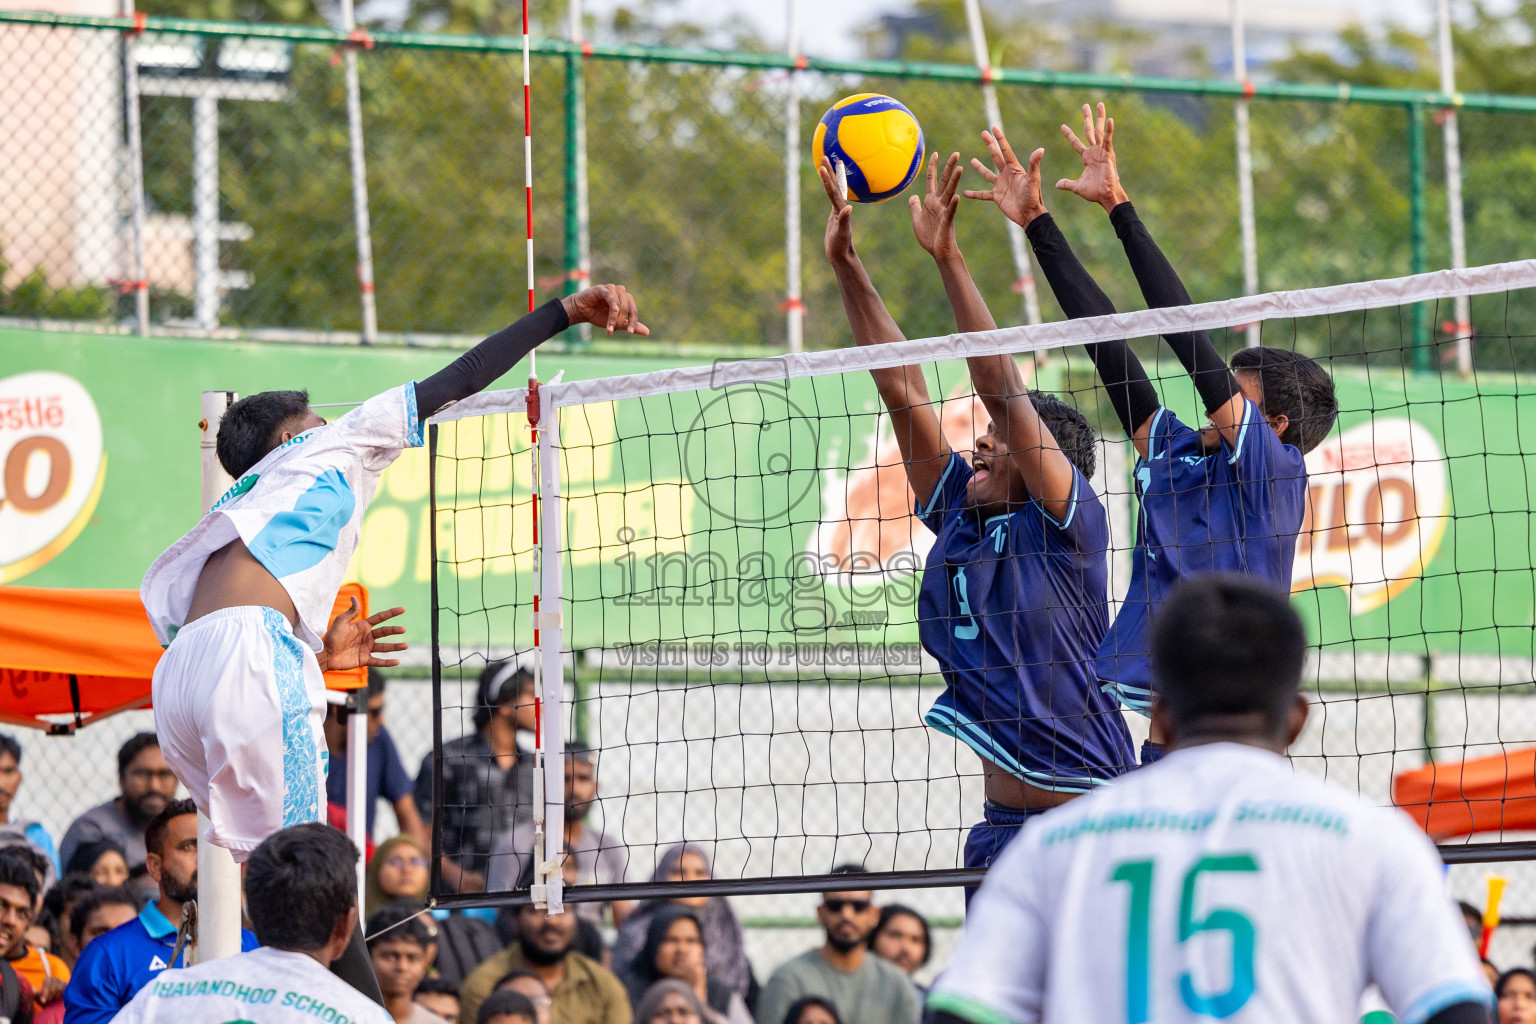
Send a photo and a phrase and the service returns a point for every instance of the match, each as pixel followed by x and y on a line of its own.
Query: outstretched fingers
pixel 951 181
pixel 837 198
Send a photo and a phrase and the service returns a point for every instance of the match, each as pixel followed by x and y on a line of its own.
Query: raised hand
pixel 354 643
pixel 838 240
pixel 1100 181
pixel 933 216
pixel 1015 188
pixel 609 306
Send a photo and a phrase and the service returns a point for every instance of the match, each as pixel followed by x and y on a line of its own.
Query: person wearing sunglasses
pixel 864 988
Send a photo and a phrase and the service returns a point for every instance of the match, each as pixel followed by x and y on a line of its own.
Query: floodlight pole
pixel 1024 275
pixel 1245 165
pixel 218 878
pixel 794 306
pixel 137 281
pixel 359 179
pixel 1462 330
pixel 205 209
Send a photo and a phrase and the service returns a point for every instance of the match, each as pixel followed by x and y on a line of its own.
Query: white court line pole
pixel 357 785
pixel 218 878
pixel 137 275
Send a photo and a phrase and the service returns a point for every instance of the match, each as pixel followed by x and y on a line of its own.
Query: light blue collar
pixel 155 922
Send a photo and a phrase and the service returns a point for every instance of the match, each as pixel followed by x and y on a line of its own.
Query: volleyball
pixel 878 142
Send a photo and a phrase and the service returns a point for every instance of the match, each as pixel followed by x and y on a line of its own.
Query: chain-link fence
pixel 246 219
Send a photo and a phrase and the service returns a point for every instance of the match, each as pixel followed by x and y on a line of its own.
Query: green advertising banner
pixel 771 514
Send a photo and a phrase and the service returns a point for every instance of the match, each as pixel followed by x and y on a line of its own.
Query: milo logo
pixel 1378 500
pixel 52 466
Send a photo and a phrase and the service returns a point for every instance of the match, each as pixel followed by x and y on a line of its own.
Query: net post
pixel 1245 167
pixel 1418 213
pixel 794 306
pixel 1462 329
pixel 218 889
pixel 436 867
pixel 359 174
pixel 137 275
pixel 357 784
pixel 551 634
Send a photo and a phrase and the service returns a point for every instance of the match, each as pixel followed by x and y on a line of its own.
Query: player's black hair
pixel 99 897
pixel 508 1002
pixel 375 682
pixel 160 824
pixel 400 921
pixel 799 1006
pixel 1224 644
pixel 299 883
pixel 1296 387
pixel 850 867
pixel 1070 429
pixel 16 869
pixel 514 974
pixel 578 751
pixel 437 986
pixel 8 745
pixel 890 912
pixel 87 854
pixel 500 683
pixel 136 745
pixel 251 427
pixel 66 891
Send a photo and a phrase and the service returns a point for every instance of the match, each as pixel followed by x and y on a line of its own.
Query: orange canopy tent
pixel 1487 794
pixel 82 655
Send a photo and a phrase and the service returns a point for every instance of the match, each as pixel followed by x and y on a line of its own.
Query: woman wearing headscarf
pixel 725 954
pixel 675 948
pixel 669 1002
pixel 104 860
pixel 398 871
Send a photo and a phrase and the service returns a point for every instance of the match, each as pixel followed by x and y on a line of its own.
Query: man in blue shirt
pixel 387 776
pixel 1228 497
pixel 1014 599
pixel 114 966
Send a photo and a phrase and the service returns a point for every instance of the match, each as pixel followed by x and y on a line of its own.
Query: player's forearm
pixel 477 369
pixel 1125 381
pixel 1160 286
pixel 995 378
pixel 900 387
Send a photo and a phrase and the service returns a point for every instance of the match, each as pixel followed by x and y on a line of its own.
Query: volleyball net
pixel 729 571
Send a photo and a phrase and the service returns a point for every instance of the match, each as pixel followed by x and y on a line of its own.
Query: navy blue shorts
pixel 987 837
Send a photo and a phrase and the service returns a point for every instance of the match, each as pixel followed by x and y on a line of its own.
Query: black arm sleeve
pixel 1462 1013
pixel 1126 383
pixel 475 370
pixel 1160 286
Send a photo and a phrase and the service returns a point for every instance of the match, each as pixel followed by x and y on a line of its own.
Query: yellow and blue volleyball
pixel 878 142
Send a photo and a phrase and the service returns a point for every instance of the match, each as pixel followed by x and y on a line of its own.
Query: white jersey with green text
pixel 1218 884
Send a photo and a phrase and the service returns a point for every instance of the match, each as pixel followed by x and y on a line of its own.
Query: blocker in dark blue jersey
pixel 1013 607
pixel 1236 509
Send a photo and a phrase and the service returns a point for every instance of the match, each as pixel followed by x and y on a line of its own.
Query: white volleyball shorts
pixel 239 707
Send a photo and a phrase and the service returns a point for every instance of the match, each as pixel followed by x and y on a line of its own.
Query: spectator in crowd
pixel 675 948
pixel 60 900
pixel 1474 920
pixel 725 953
pixel 114 967
pixel 528 982
pixel 589 933
pixel 43 933
pixel 95 914
pixel 902 937
pixel 582 990
pixel 402 948
pixel 669 1002
pixel 387 776
pixel 464 942
pixel 301 895
pixel 1516 993
pixel 506 1007
pixel 398 871
pixel 17 829
pixel 16 999
pixel 487 782
pixel 145 785
pixel 103 860
pixel 864 988
pixel 440 997
pixel 44 972
pixel 811 1010
pixel 599 860
pixel 1490 972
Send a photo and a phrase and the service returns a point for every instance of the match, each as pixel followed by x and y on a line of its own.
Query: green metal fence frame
pixel 1414 102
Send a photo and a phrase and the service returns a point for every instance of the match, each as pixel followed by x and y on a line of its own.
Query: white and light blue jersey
pixel 1237 509
pixel 1217 884
pixel 1013 608
pixel 299 512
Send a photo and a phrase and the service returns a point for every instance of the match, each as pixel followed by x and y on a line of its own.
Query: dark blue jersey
pixel 1238 509
pixel 113 968
pixel 1013 607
